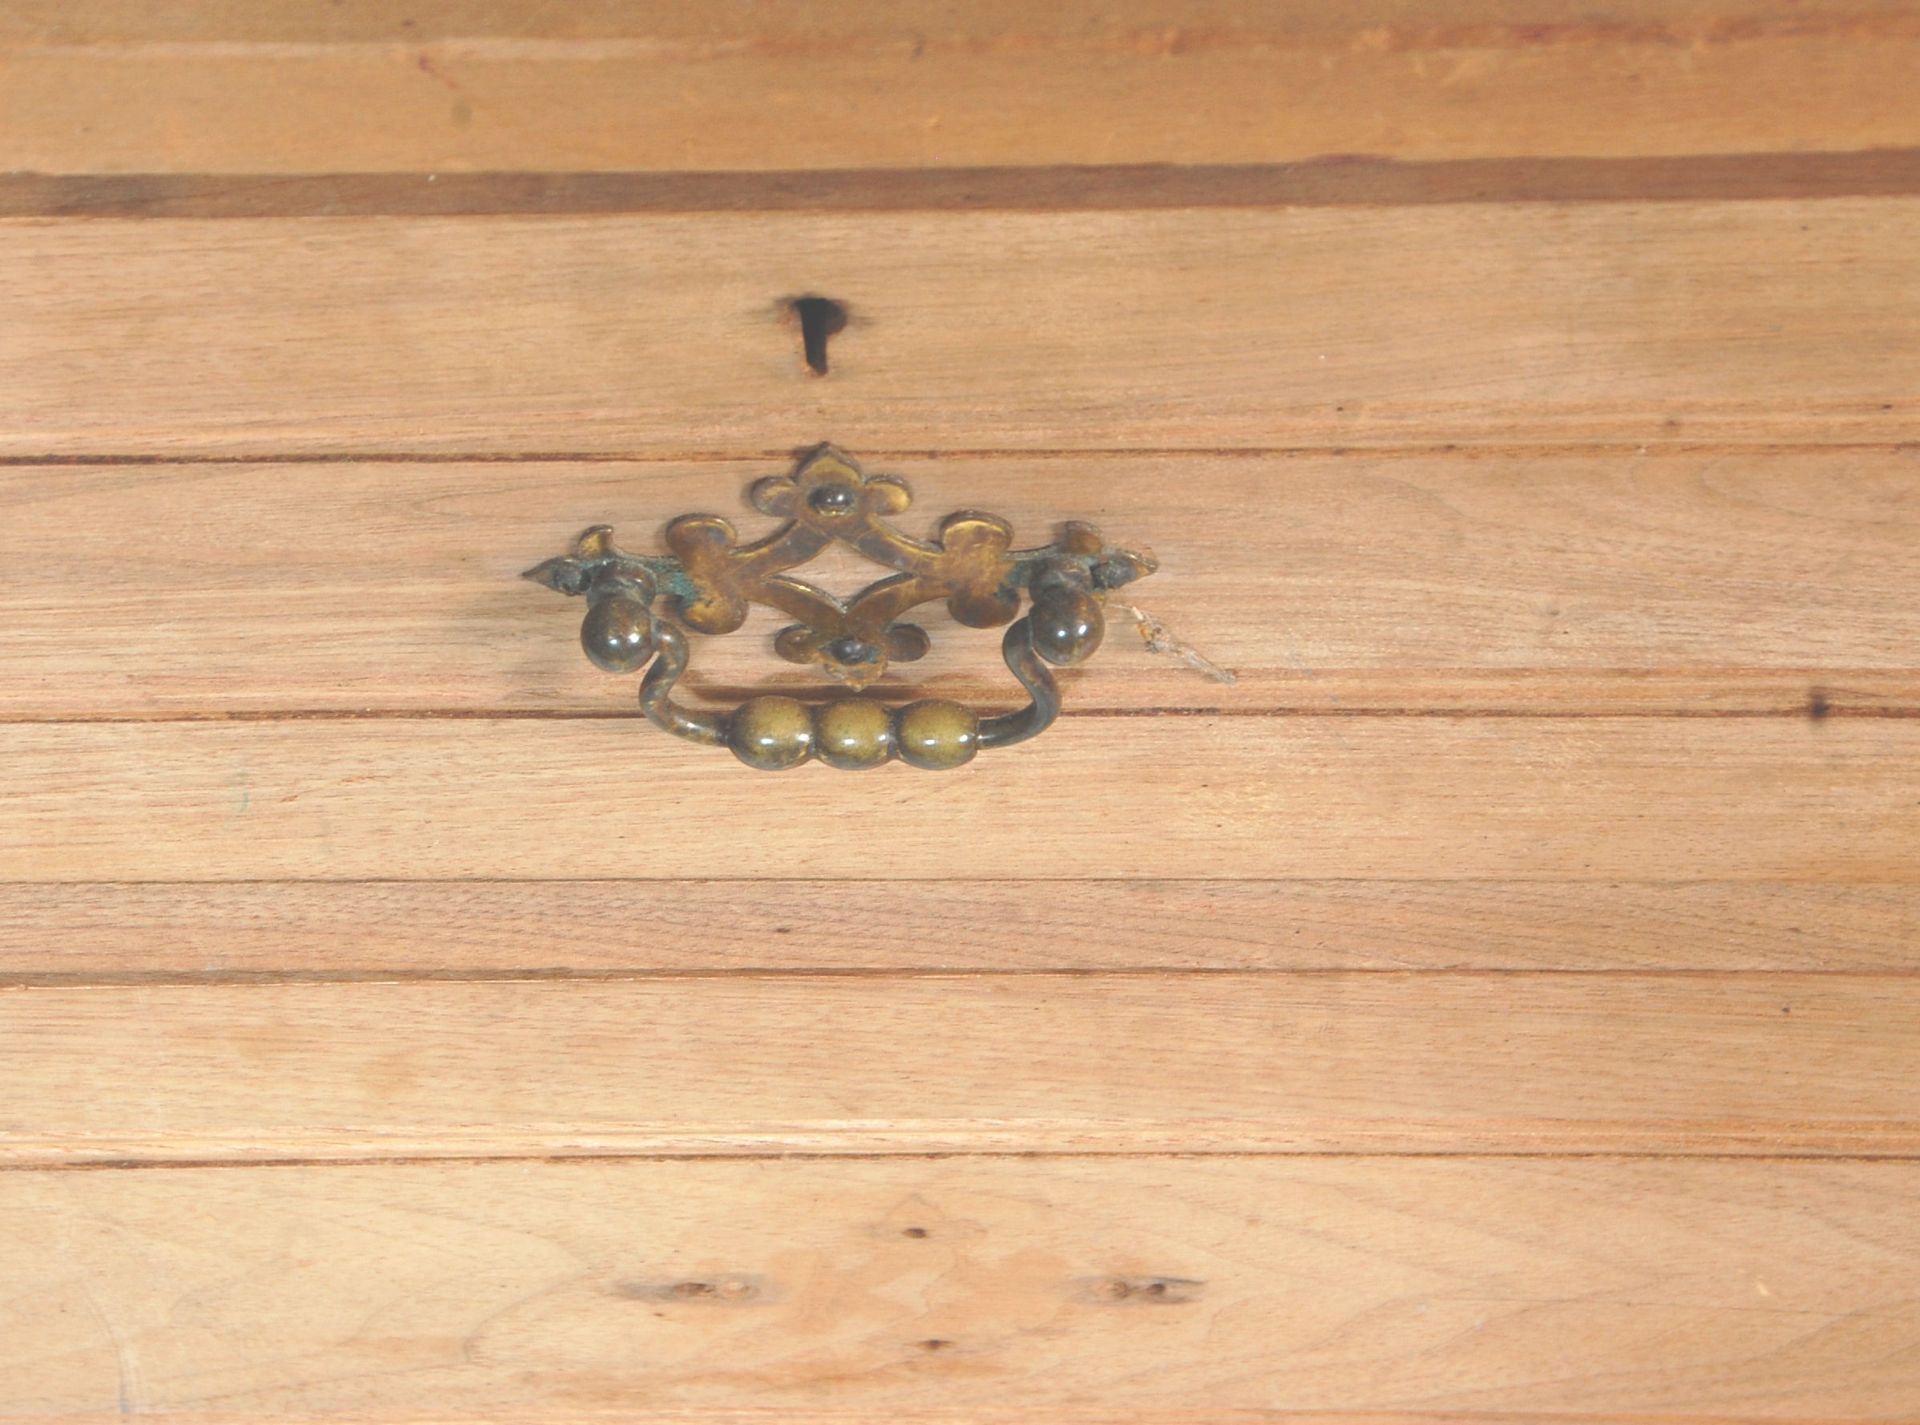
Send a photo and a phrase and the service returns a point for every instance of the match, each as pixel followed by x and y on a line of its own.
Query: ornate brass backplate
pixel 710 579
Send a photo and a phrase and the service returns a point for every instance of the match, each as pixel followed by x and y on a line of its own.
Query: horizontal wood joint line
pixel 906 882
pixel 1034 1156
pixel 1825 711
pixel 86 1161
pixel 1469 450
pixel 232 979
pixel 1336 181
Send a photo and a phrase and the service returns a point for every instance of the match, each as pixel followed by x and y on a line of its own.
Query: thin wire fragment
pixel 1161 639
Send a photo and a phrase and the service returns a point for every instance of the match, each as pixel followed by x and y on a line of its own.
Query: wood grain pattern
pixel 1385 1290
pixel 301 930
pixel 1513 324
pixel 1595 583
pixel 292 88
pixel 1215 797
pixel 1467 1063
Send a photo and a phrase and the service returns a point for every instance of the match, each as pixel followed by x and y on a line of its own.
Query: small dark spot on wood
pixel 1817 705
pixel 1786 1009
pixel 820 318
pixel 1164 1291
pixel 718 1290
pixel 935 1343
pixel 914 1232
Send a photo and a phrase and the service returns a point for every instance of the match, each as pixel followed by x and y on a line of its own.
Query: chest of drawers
pixel 1452 960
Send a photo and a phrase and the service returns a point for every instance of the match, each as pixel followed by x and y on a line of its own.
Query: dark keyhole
pixel 820 318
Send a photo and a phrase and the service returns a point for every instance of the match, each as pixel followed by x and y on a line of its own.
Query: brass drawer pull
pixel 710 579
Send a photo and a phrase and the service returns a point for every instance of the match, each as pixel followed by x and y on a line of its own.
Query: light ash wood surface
pixel 964 1289
pixel 1509 324
pixel 1207 797
pixel 1498 1006
pixel 302 931
pixel 280 86
pixel 1667 581
pixel 1321 1063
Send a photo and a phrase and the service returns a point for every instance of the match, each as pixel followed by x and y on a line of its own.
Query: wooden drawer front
pixel 1607 581
pixel 899 1287
pixel 1267 328
pixel 284 88
pixel 1493 1002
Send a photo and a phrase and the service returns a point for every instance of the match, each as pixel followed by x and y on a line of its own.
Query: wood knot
pixel 724 1290
pixel 1163 1291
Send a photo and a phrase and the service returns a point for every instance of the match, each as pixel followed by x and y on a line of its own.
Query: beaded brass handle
pixel 711 578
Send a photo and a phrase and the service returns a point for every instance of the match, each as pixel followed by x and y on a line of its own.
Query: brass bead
pixel 617 634
pixel 937 734
pixel 1067 625
pixel 771 733
pixel 853 734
